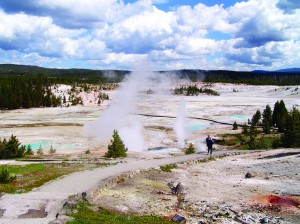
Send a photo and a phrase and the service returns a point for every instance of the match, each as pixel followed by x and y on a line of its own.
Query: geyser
pixel 180 124
pixel 120 115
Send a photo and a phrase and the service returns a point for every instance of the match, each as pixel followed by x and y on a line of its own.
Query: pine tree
pixel 267 119
pixel 256 118
pixel 235 126
pixel 279 117
pixel 29 150
pixel 12 147
pixel 117 148
pixel 291 137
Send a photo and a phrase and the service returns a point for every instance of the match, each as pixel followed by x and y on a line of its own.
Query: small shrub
pixel 52 150
pixel 168 168
pixel 87 151
pixel 235 126
pixel 190 149
pixel 5 176
pixel 40 151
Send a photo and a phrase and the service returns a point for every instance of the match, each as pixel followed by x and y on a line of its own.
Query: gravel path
pixel 48 199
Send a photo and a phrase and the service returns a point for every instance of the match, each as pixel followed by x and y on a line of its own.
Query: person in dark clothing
pixel 209 143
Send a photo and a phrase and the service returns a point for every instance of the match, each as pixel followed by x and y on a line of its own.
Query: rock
pixel 179 218
pixel 249 175
pixel 180 189
pixel 2 212
pixel 83 195
pixel 202 221
pixel 208 216
pixel 70 205
pixel 214 219
pixel 265 220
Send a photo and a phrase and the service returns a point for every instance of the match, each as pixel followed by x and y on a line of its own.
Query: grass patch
pixel 231 140
pixel 84 215
pixel 168 168
pixel 240 141
pixel 35 175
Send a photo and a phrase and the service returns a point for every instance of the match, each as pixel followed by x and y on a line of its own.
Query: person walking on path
pixel 209 143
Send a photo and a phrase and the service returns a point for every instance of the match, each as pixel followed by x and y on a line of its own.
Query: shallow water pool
pixel 196 127
pixel 37 145
pixel 240 117
pixel 47 145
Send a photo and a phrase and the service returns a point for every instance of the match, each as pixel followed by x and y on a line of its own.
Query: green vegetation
pixel 102 97
pixel 117 148
pixel 88 216
pixel 40 151
pixel 280 128
pixel 190 149
pixel 63 76
pixel 30 86
pixel 193 90
pixel 35 175
pixel 252 78
pixel 241 141
pixel 12 148
pixel 52 150
pixel 26 92
pixel 168 168
pixel 5 177
pixel 235 126
pixel 267 120
pixel 245 77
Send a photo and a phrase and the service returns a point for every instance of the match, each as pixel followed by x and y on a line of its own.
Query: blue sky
pixel 164 34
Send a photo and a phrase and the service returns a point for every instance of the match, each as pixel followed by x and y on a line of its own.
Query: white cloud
pixel 111 33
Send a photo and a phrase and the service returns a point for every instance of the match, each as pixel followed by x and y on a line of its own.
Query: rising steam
pixel 121 113
pixel 180 124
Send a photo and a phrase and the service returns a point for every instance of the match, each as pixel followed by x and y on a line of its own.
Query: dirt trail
pixel 43 203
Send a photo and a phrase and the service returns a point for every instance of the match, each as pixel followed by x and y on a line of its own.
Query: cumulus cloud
pixel 263 22
pixel 110 33
pixel 67 13
pixel 289 5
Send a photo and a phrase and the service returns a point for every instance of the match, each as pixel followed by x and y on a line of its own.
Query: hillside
pixel 258 77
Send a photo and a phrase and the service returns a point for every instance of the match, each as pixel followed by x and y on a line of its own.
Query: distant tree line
pixel 69 76
pixel 243 77
pixel 64 76
pixel 280 121
pixel 253 78
pixel 26 92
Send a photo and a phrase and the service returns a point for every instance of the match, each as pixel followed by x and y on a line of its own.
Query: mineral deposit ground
pixel 246 188
pixel 216 191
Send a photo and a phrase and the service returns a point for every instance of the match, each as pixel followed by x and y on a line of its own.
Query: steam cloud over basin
pixel 120 115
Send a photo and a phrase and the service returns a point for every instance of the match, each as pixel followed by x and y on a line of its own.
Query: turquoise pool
pixel 36 146
pixel 240 117
pixel 196 127
pixel 47 145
